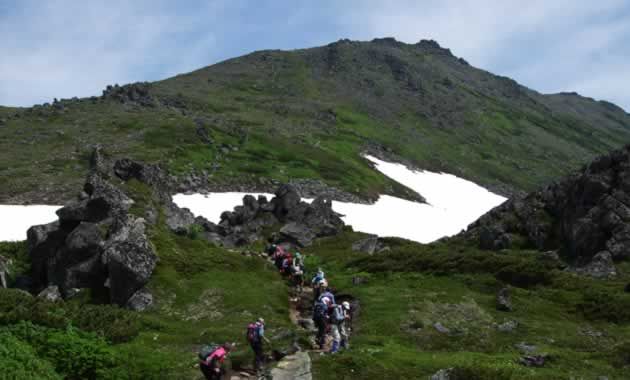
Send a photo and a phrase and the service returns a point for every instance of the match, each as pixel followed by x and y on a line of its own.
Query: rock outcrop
pixel 95 244
pixel 585 217
pixel 299 222
pixel 370 245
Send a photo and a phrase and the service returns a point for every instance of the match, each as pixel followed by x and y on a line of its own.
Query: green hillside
pixel 310 114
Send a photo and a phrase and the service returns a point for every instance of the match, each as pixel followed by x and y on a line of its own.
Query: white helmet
pixel 346 305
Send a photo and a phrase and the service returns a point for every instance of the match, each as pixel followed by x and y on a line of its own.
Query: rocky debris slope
pixel 584 217
pixel 299 222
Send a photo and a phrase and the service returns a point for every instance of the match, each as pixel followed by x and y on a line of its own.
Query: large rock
pixel 583 215
pixel 293 367
pixel 51 293
pixel 443 374
pixel 129 258
pixel 141 300
pixel 298 234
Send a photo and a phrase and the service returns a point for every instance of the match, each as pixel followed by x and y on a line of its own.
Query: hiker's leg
pixel 207 371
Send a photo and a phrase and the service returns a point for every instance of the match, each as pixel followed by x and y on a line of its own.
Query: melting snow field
pixel 452 204
pixel 15 220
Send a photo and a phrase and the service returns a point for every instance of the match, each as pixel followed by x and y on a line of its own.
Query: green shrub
pixel 113 323
pixel 599 304
pixel 621 355
pixel 19 361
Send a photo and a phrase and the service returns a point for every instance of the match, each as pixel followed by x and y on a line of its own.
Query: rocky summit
pixel 584 217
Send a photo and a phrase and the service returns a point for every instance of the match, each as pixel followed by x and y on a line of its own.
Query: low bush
pixel 599 304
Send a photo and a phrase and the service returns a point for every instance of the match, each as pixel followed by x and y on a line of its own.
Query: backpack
pixel 252 333
pixel 337 315
pixel 207 350
pixel 319 311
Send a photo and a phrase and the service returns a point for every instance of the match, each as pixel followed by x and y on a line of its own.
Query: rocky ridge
pixel 583 217
pixel 100 244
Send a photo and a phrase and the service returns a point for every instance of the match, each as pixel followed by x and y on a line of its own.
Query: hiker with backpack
pixel 255 337
pixel 297 276
pixel 344 327
pixel 211 360
pixel 318 282
pixel 337 317
pixel 298 259
pixel 278 256
pixel 286 264
pixel 320 317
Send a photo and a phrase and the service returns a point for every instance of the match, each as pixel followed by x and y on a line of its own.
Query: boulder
pixel 601 266
pixel 129 258
pixel 443 374
pixel 50 293
pixel 297 233
pixel 525 348
pixel 141 300
pixel 369 245
pixel 178 220
pixel 293 367
pixel 504 300
pixel 507 326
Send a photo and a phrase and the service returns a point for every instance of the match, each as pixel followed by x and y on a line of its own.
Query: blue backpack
pixel 319 311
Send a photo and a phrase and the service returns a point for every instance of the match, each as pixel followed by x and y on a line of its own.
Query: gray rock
pixel 141 300
pixel 51 293
pixel 507 326
pixel 129 258
pixel 293 367
pixel 307 323
pixel 601 266
pixel 370 245
pixel 533 360
pixel 298 234
pixel 504 300
pixel 443 374
pixel 4 271
pixel 178 220
pixel 525 348
pixel 441 328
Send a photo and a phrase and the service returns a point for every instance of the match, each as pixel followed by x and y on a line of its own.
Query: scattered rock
pixel 504 300
pixel 141 300
pixel 507 326
pixel 525 348
pixel 370 245
pixel 51 293
pixel 307 323
pixel 441 328
pixel 534 360
pixel 443 374
pixel 601 266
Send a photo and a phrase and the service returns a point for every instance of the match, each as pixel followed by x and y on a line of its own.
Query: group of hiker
pixel 330 318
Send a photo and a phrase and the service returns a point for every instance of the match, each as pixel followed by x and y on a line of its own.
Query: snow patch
pixel 16 220
pixel 452 204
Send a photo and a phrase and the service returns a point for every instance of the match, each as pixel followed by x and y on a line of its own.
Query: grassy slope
pixel 309 114
pixel 413 287
pixel 207 294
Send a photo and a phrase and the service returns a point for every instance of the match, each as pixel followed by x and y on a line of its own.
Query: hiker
pixel 337 317
pixel 344 327
pixel 327 293
pixel 211 360
pixel 286 264
pixel 298 259
pixel 320 317
pixel 278 256
pixel 297 276
pixel 255 337
pixel 318 282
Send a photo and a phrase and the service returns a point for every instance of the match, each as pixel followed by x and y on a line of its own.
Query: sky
pixel 66 48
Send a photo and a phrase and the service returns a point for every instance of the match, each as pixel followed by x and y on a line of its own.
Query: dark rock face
pixel 95 243
pixel 585 217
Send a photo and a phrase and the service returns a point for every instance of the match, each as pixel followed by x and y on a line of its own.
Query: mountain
pixel 306 116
